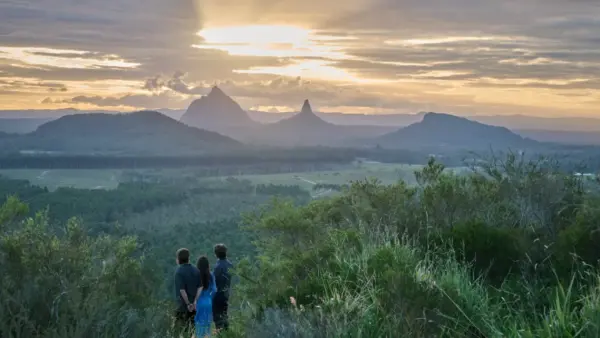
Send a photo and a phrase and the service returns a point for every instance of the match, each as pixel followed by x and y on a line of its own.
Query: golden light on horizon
pixel 312 69
pixel 310 53
pixel 270 40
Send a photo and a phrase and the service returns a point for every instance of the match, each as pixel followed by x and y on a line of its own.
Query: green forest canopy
pixel 509 251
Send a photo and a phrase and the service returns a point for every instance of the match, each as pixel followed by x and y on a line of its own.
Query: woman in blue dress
pixel 203 301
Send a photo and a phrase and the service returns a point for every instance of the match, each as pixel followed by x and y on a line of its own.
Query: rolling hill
pixel 218 112
pixel 140 133
pixel 452 132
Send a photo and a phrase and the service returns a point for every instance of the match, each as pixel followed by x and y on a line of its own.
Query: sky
pixel 468 57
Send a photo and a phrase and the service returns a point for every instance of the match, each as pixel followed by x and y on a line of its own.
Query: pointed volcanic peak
pixel 306 118
pixel 217 112
pixel 306 108
pixel 144 132
pixel 302 129
pixel 445 130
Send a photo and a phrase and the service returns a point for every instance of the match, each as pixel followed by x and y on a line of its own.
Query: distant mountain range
pixel 513 122
pixel 446 131
pixel 140 133
pixel 219 113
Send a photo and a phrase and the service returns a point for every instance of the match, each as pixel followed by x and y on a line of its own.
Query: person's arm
pixel 185 297
pixel 198 295
pixel 213 289
pixel 218 278
pixel 180 285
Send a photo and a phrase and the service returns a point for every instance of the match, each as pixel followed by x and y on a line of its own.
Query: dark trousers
pixel 185 321
pixel 220 305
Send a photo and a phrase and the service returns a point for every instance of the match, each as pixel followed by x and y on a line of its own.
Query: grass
pixel 76 178
pixel 386 173
pixel 110 178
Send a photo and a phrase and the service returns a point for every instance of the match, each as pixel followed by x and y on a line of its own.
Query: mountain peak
pixel 216 91
pixel 217 112
pixel 451 121
pixel 305 119
pixel 437 116
pixel 145 132
pixel 438 129
pixel 306 109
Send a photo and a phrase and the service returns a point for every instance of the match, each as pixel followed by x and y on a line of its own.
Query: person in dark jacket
pixel 222 275
pixel 187 282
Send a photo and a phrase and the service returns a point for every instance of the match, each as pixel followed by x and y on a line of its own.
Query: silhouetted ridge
pixel 304 128
pixel 452 131
pixel 306 118
pixel 145 131
pixel 217 112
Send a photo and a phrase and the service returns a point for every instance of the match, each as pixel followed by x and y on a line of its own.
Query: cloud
pixel 59 58
pixel 153 35
pixel 129 101
pixel 291 92
pixel 175 83
pixel 58 88
pixel 525 56
pixel 32 85
pixel 49 100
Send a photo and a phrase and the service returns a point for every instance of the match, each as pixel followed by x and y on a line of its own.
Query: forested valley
pixel 508 249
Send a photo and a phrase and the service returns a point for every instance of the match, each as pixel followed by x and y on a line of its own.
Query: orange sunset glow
pixel 361 58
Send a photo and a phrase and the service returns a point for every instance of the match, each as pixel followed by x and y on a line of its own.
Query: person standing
pixel 203 301
pixel 223 280
pixel 187 282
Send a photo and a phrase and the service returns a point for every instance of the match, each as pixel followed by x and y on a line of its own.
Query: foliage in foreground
pixel 508 251
pixel 72 285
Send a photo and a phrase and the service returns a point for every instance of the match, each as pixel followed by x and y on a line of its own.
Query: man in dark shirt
pixel 223 281
pixel 187 282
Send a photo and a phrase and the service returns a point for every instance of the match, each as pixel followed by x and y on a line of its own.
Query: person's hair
pixel 204 268
pixel 183 256
pixel 221 251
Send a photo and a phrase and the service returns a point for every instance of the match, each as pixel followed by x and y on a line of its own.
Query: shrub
pixel 73 285
pixel 492 251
